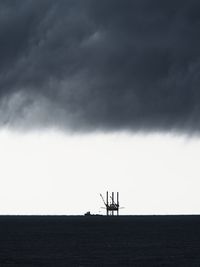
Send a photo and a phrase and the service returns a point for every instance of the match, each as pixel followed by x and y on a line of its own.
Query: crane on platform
pixel 112 206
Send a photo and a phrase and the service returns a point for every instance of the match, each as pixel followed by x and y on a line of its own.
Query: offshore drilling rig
pixel 111 206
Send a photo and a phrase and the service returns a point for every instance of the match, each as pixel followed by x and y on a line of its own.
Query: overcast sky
pixel 100 71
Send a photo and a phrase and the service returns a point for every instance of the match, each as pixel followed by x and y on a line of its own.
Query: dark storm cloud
pixel 107 65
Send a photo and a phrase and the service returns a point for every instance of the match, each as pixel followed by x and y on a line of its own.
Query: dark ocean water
pixel 99 241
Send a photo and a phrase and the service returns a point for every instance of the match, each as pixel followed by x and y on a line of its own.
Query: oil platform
pixel 111 206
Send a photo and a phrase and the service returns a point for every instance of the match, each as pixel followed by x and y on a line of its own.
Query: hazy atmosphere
pixel 95 96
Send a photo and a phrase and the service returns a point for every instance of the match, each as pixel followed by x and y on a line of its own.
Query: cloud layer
pixel 100 65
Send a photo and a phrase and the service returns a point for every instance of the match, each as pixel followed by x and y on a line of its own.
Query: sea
pixel 99 241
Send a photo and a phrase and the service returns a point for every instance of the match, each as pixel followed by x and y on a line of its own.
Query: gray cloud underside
pixel 105 65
